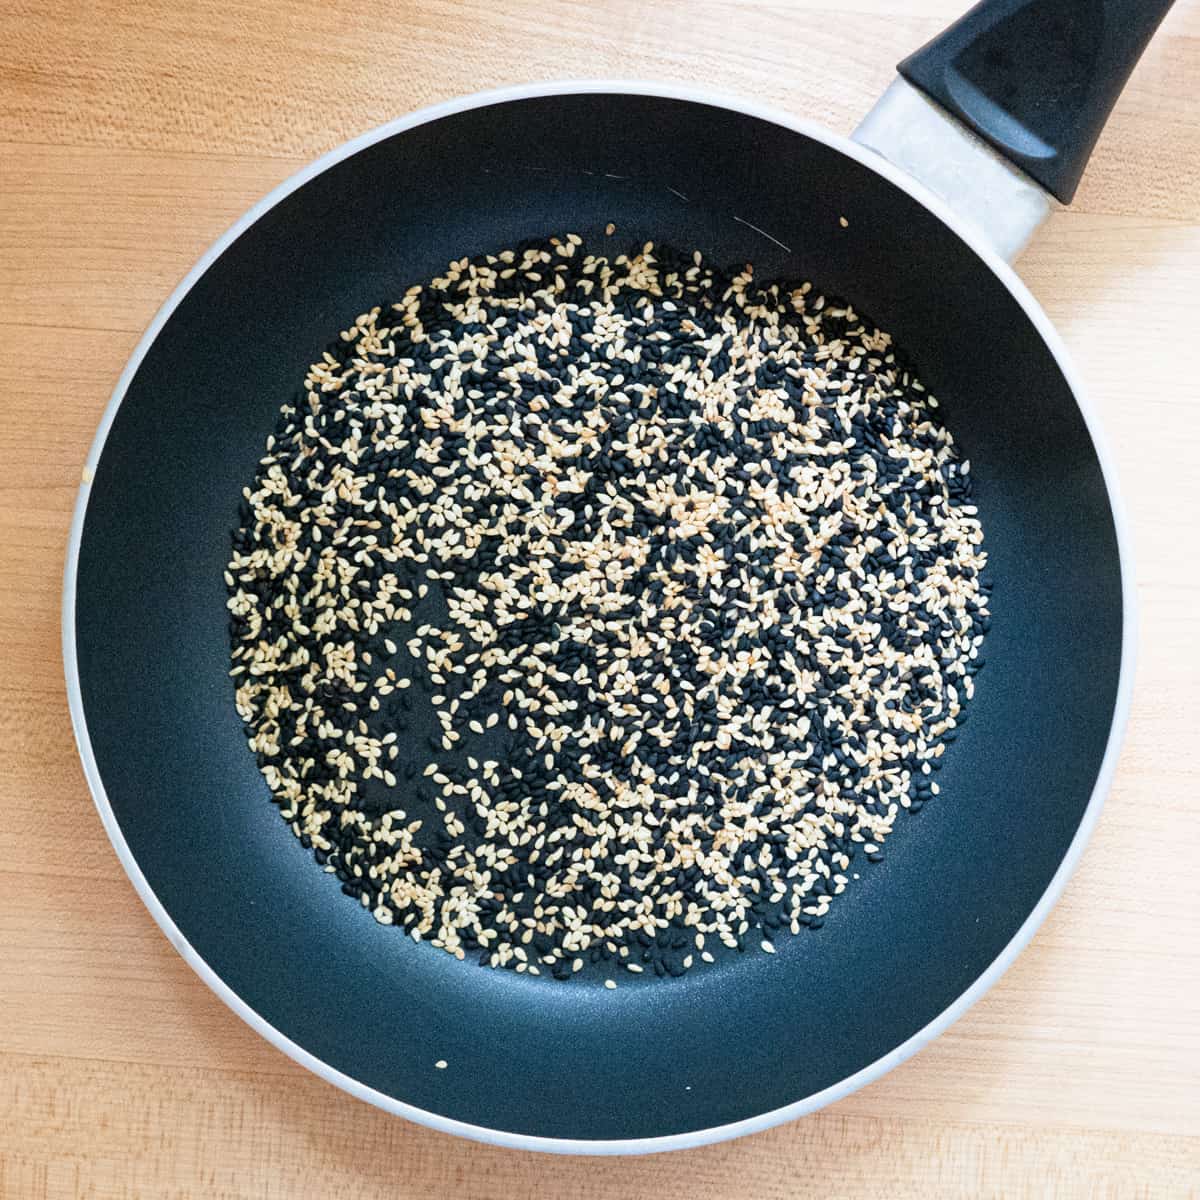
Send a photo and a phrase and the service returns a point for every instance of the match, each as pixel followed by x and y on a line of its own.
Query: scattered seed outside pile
pixel 699 542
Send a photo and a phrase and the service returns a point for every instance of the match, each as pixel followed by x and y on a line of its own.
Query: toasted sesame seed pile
pixel 603 609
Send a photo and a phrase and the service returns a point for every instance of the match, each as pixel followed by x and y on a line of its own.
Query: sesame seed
pixel 691 585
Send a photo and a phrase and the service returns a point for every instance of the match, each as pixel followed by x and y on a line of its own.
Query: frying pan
pixel 1001 109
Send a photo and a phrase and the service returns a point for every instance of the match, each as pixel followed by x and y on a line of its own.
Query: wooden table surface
pixel 131 135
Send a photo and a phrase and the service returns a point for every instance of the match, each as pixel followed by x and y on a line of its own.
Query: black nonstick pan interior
pixel 573 1060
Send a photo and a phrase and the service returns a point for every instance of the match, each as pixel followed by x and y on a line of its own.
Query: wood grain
pixel 131 135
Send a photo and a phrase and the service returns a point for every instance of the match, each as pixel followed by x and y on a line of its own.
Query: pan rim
pixel 983 982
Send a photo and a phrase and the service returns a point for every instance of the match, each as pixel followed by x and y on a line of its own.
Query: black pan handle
pixel 1037 78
